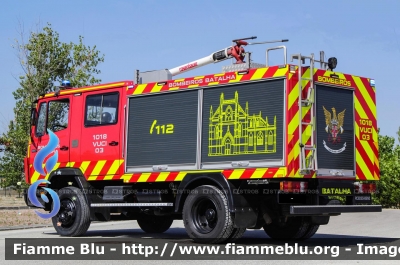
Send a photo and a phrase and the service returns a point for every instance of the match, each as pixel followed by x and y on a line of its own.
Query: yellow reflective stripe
pixel 236 174
pixel 258 173
pixel 293 124
pixel 156 88
pixel 180 176
pixel 280 173
pixel 365 95
pixel 99 166
pixel 114 167
pixel 84 166
pixel 92 177
pixel 139 89
pixel 280 72
pixel 143 177
pixel 363 166
pixel 259 73
pixel 163 176
pixel 293 96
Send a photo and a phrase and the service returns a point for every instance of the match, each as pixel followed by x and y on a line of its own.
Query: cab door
pixel 101 134
pixel 49 147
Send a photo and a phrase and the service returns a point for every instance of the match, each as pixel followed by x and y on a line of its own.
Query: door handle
pixel 113 143
pixel 64 148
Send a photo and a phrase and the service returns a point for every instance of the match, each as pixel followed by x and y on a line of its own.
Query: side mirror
pixel 33 115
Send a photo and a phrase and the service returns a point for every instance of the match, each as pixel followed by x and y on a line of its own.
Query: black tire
pixel 206 215
pixel 311 230
pixel 154 223
pixel 73 218
pixel 294 228
pixel 236 234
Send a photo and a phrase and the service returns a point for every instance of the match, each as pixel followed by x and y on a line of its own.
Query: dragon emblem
pixel 334 127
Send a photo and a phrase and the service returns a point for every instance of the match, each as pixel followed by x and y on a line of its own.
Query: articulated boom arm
pixel 236 51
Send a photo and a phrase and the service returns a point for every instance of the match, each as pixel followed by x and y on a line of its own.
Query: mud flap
pixel 245 215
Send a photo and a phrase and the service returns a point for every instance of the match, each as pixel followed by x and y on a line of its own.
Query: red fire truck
pixel 256 146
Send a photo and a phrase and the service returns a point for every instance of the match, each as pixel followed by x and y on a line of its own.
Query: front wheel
pixel 73 218
pixel 206 215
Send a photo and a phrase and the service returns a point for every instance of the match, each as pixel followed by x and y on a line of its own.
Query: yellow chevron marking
pixel 258 173
pixel 295 152
pixel 35 177
pixel 281 72
pixel 156 88
pixel 180 176
pixel 144 177
pixel 236 174
pixel 126 177
pixel 174 88
pixel 199 77
pixel 363 166
pixel 280 173
pixel 84 166
pixel 365 95
pixel 293 124
pixel 113 169
pixel 259 73
pixel 368 149
pixel 213 83
pixel 163 176
pixel 192 86
pixel 99 166
pixel 139 89
pixel 92 177
pixel 293 96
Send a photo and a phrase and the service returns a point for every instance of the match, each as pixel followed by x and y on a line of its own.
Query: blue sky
pixel 149 35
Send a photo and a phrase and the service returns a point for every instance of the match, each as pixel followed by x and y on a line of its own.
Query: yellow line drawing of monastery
pixel 233 131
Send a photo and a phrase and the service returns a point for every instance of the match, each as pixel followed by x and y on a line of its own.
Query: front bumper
pixel 332 209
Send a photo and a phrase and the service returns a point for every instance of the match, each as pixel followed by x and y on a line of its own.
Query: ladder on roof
pixel 308 160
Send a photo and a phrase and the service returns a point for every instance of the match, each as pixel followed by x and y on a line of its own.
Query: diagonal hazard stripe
pixel 99 166
pixel 139 89
pixel 370 104
pixel 259 73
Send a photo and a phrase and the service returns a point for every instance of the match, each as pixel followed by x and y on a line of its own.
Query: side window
pixel 101 109
pixel 58 113
pixel 41 122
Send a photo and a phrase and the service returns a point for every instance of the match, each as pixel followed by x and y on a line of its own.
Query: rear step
pixel 156 204
pixel 327 209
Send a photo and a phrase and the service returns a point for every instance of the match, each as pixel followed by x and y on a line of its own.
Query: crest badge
pixel 334 127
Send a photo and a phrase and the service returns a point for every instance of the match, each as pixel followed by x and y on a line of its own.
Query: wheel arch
pixel 192 181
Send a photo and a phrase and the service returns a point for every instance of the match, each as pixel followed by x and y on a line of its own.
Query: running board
pixel 156 204
pixel 333 209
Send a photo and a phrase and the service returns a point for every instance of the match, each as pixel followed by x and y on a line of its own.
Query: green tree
pixel 45 62
pixel 389 163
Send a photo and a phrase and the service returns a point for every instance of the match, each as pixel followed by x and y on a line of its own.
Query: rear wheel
pixel 293 228
pixel 311 230
pixel 73 218
pixel 154 223
pixel 206 215
pixel 236 234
